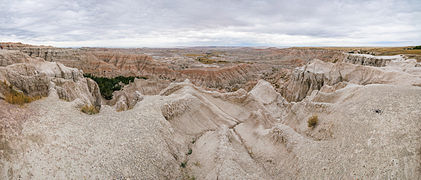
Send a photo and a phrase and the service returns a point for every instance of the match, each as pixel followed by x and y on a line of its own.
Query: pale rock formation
pixel 8 57
pixel 133 92
pixel 370 60
pixel 319 73
pixel 272 101
pixel 124 100
pixel 303 82
pixel 37 77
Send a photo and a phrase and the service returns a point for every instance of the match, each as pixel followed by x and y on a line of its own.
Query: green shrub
pixel 417 47
pixel 108 85
pixel 312 121
pixel 183 164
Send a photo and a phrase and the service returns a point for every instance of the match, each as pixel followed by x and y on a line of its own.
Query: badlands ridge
pixel 246 117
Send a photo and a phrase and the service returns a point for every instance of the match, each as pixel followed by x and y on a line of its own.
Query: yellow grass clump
pixel 19 98
pixel 89 109
pixel 14 97
pixel 312 121
pixel 194 55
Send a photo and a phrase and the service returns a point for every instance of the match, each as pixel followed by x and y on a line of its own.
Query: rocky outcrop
pixel 123 100
pixel 303 82
pixel 48 53
pixel 132 93
pixel 370 60
pixel 313 76
pixel 38 78
pixel 264 93
pixel 11 57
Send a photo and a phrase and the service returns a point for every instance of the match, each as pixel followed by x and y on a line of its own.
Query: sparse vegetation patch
pixel 183 164
pixel 417 47
pixel 15 97
pixel 108 85
pixel 89 109
pixel 197 163
pixel 312 121
pixel 207 58
pixel 193 55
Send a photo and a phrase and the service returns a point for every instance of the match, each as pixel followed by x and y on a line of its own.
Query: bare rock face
pixel 124 100
pixel 271 100
pixel 370 60
pixel 11 57
pixel 303 83
pixel 133 93
pixel 94 91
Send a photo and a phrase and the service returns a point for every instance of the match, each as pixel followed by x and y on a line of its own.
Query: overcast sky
pixel 169 23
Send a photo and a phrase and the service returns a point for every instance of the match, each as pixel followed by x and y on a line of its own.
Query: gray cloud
pixel 126 23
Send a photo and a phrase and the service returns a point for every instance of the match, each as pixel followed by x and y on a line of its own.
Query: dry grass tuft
pixel 312 121
pixel 206 60
pixel 121 108
pixel 89 109
pixel 197 163
pixel 194 55
pixel 19 98
pixel 14 97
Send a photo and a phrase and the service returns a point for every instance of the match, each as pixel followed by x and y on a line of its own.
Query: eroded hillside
pixel 350 117
pixel 226 69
